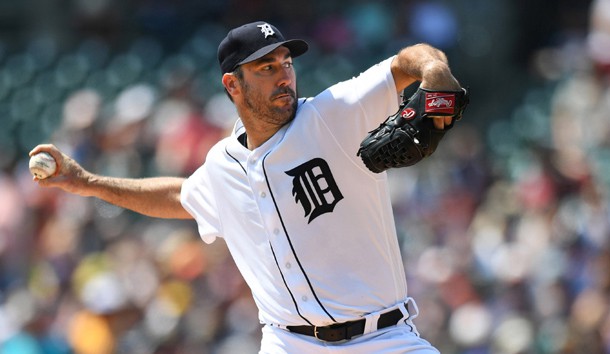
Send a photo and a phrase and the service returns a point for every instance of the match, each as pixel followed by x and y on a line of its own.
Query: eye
pixel 287 64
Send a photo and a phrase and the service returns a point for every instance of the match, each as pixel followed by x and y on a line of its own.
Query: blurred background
pixel 505 231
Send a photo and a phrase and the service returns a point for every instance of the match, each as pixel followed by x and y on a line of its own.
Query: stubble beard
pixel 262 108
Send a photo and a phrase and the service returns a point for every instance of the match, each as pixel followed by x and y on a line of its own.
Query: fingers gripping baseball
pixel 67 175
pixel 45 161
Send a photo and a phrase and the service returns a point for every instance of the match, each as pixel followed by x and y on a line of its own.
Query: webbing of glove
pixel 409 135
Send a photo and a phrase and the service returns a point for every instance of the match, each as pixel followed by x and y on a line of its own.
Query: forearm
pixel 423 63
pixel 156 197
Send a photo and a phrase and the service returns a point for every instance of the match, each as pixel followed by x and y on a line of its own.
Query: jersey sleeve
pixel 197 198
pixel 354 107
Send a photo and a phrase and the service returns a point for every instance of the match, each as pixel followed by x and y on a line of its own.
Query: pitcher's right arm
pixel 156 196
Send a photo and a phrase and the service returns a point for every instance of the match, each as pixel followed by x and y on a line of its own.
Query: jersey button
pixel 263 194
pixel 304 298
pixel 288 265
pixel 276 231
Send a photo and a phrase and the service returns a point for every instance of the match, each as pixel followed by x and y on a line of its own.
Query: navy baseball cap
pixel 253 41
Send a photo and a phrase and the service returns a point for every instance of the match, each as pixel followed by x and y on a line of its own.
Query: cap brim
pixel 296 46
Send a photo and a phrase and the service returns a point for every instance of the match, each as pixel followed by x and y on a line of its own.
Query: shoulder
pixel 370 84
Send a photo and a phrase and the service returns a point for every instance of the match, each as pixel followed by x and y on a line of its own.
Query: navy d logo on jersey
pixel 314 187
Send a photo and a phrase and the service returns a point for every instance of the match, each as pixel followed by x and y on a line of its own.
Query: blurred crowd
pixel 505 231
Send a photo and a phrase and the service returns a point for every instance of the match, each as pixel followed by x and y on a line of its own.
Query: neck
pixel 261 125
pixel 258 134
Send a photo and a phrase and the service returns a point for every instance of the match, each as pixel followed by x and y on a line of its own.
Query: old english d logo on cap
pixel 253 41
pixel 266 29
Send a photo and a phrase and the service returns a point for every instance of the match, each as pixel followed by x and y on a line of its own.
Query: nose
pixel 286 76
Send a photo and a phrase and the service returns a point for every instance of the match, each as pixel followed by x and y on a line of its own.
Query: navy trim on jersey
pixel 277 209
pixel 236 160
pixel 286 284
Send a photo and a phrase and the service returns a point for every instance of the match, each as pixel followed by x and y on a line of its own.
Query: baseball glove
pixel 409 135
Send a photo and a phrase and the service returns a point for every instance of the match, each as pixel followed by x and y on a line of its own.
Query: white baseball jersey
pixel 309 227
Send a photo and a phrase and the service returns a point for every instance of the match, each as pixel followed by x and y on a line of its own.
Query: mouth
pixel 283 96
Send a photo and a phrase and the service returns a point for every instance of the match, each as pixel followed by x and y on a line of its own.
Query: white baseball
pixel 42 165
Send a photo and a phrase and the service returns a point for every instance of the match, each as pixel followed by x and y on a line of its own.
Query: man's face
pixel 269 87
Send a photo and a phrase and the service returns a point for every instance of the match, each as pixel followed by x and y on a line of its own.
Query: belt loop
pixel 404 307
pixel 410 314
pixel 370 324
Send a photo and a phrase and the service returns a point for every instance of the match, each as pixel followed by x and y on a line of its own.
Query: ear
pixel 231 84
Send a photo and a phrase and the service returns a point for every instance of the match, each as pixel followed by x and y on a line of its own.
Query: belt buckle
pixel 315 332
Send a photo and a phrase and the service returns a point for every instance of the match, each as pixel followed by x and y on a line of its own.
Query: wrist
pixel 436 75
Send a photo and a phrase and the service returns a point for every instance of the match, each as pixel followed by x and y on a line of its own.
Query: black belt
pixel 346 330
